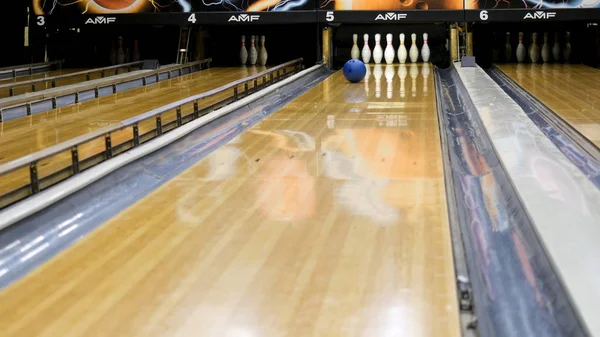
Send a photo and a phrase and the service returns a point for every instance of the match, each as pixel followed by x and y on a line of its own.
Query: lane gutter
pixel 510 274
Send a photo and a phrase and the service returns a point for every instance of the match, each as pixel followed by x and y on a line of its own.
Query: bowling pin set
pixel 390 53
pixel 253 55
pixel 534 53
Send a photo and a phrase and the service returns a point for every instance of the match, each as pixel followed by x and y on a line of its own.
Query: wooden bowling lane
pixel 20 137
pixel 23 89
pixel 37 76
pixel 23 136
pixel 571 91
pixel 328 218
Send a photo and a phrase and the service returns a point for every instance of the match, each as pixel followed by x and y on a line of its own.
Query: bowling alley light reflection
pixel 365 197
pixel 386 106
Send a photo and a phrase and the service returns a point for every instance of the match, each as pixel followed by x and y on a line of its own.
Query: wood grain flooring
pixel 20 89
pixel 572 91
pixel 37 76
pixel 328 218
pixel 22 136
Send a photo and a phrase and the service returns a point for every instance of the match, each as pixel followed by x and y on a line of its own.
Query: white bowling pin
pixel 377 72
pixel 366 51
pixel 414 72
pixel 425 72
pixel 521 54
pixel 425 52
pixel 389 79
pixel 534 49
pixel 262 55
pixel 413 53
pixel 567 50
pixel 546 49
pixel 556 48
pixel 243 51
pixel 402 53
pixel 253 53
pixel 389 50
pixel 377 51
pixel 355 52
pixel 507 48
pixel 402 72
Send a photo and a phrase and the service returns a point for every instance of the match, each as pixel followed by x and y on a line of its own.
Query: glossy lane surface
pixel 328 218
pixel 37 76
pixel 23 89
pixel 571 91
pixel 22 136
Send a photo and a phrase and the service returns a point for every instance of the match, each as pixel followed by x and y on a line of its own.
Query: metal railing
pixel 85 91
pixel 71 157
pixel 26 69
pixel 33 85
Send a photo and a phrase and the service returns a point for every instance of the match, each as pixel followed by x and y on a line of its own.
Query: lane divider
pixel 45 198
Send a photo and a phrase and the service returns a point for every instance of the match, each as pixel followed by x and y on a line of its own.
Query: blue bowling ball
pixel 354 71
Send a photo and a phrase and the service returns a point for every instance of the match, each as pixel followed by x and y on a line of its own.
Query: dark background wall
pixel 12 35
pixel 283 43
pixel 583 40
pixel 91 46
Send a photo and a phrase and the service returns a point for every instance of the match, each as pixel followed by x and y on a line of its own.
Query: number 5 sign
pixel 329 17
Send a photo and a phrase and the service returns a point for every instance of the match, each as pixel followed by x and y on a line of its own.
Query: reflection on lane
pixel 345 159
pixel 326 218
pixel 370 148
pixel 388 73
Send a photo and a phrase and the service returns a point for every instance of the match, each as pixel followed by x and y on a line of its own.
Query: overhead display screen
pixel 253 5
pixel 59 7
pixel 532 4
pixel 186 12
pixel 388 5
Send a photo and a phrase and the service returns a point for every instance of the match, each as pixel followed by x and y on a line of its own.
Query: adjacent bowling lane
pixel 37 76
pixel 22 136
pixel 23 89
pixel 328 218
pixel 571 91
